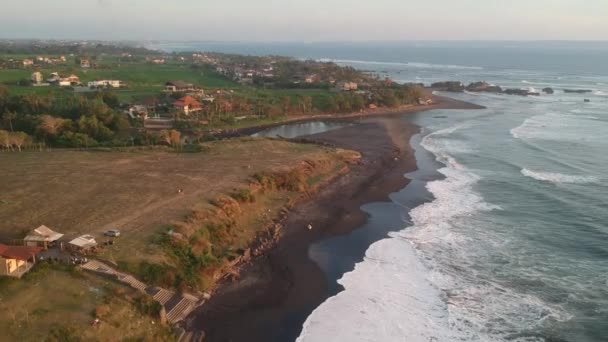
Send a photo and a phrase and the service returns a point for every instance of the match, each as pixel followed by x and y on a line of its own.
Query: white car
pixel 112 233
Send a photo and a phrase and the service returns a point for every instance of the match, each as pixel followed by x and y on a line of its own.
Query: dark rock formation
pixel 577 91
pixel 453 86
pixel 520 92
pixel 548 90
pixel 483 87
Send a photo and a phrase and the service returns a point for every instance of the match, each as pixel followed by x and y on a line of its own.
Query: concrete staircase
pixel 177 306
pixel 181 310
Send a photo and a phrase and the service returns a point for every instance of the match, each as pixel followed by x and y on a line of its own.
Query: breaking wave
pixel 553 126
pixel 558 177
pixel 404 64
pixel 420 284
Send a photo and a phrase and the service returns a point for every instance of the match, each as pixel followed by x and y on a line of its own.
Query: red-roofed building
pixel 188 104
pixel 15 261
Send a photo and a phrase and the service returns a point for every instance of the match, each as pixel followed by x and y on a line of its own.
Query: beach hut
pixel 42 236
pixel 83 243
pixel 15 261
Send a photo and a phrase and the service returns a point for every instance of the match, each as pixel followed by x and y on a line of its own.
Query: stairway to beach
pixel 177 306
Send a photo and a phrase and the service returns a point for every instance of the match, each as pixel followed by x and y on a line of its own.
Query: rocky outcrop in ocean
pixel 577 91
pixel 479 87
pixel 548 90
pixel 453 86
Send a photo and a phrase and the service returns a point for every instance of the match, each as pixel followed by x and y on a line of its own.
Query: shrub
pixel 152 273
pixel 243 196
pixel 61 333
pixel 148 306
pixel 101 311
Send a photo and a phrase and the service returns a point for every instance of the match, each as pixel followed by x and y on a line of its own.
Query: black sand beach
pixel 276 292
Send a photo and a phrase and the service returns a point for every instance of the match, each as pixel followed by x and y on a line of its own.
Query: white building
pixel 105 84
pixel 37 77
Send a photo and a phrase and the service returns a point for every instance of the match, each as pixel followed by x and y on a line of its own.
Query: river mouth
pixel 295 130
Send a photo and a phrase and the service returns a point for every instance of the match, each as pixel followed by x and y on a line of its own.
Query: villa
pixel 15 261
pixel 180 87
pixel 187 105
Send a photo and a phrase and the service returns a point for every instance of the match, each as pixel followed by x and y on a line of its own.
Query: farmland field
pixel 80 192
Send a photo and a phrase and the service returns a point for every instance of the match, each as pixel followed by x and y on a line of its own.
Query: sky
pixel 308 20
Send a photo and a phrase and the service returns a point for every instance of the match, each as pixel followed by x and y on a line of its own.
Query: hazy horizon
pixel 310 21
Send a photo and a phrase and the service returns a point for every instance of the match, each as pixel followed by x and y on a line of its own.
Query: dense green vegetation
pixel 245 90
pixel 61 120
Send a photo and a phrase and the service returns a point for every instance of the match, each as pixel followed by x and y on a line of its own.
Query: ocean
pixel 502 234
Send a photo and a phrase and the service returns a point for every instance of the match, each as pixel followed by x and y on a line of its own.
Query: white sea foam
pixel 405 64
pixel 413 286
pixel 559 178
pixel 559 127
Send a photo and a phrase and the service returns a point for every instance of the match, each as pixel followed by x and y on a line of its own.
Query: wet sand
pixel 276 292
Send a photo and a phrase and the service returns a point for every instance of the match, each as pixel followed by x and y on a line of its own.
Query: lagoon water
pixel 294 130
pixel 511 242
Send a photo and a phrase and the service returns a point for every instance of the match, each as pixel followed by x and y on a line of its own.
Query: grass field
pixel 143 79
pixel 54 302
pixel 77 192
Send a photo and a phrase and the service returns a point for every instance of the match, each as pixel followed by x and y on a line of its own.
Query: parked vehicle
pixel 112 233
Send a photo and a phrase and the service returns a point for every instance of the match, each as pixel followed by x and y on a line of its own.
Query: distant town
pixel 86 94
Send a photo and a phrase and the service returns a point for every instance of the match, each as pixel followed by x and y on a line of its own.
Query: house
pixel 42 236
pixel 83 243
pixel 158 61
pixel 187 105
pixel 85 63
pixel 15 261
pixel 138 111
pixel 37 77
pixel 312 79
pixel 180 87
pixel 346 86
pixel 151 103
pixel 54 78
pixel 106 84
pixel 69 81
pixel 28 62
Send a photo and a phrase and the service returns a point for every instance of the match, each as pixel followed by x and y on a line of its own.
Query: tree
pixel 174 137
pixel 71 139
pixel 171 137
pixel 10 116
pixel 286 104
pixel 358 103
pixel 5 140
pixel 18 139
pixel 3 97
pixel 50 126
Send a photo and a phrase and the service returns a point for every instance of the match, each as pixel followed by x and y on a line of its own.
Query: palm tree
pixel 10 116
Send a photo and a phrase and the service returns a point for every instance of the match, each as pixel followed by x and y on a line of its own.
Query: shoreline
pixel 277 291
pixel 439 102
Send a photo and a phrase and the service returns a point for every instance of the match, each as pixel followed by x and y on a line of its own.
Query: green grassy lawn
pixel 59 304
pixel 143 79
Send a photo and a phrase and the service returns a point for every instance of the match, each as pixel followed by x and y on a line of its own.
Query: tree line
pixel 62 120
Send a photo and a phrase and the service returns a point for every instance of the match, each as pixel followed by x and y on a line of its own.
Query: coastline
pixel 439 102
pixel 277 291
